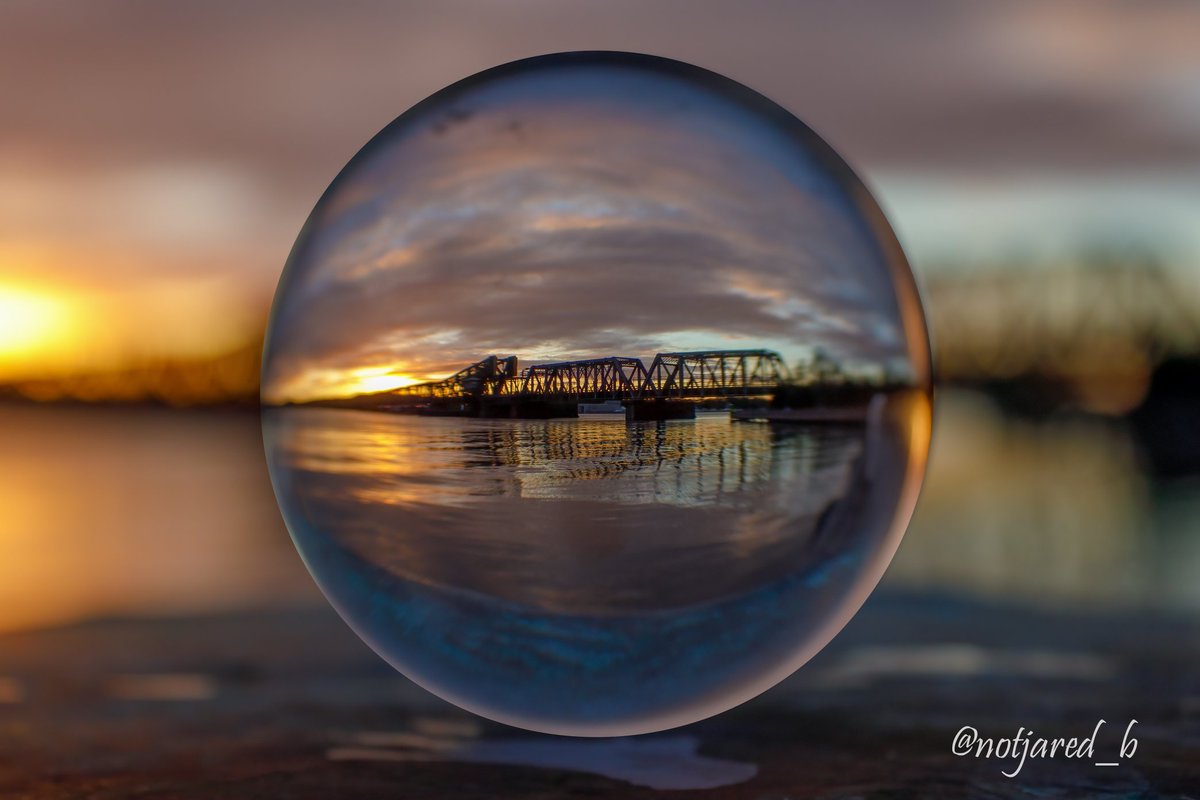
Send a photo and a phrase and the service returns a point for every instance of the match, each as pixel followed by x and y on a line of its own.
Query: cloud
pixel 602 213
pixel 284 93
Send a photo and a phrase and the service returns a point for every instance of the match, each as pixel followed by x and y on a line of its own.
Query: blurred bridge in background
pixel 669 388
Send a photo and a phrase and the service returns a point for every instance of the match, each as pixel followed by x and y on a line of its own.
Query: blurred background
pixel 1040 163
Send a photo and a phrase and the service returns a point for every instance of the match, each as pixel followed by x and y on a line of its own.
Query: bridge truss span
pixel 610 378
pixel 716 373
pixel 488 376
pixel 694 375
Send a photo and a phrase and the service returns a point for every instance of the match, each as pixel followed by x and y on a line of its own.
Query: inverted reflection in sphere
pixel 596 393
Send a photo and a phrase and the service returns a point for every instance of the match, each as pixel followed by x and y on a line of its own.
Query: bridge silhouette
pixel 669 388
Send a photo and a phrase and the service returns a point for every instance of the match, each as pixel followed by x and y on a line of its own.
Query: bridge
pixel 669 388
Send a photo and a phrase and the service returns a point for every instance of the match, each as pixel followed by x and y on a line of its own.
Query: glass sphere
pixel 596 393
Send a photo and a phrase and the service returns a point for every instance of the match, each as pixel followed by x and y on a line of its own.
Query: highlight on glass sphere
pixel 596 393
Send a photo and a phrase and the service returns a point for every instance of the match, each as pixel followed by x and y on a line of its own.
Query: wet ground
pixel 292 704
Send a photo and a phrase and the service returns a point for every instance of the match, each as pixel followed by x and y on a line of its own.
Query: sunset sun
pixel 30 321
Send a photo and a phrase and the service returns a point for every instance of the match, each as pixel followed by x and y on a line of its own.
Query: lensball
pixel 596 393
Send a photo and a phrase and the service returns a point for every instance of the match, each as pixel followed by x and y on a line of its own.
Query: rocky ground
pixel 293 705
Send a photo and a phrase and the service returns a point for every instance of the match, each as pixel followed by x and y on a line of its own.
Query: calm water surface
pixel 147 512
pixel 143 512
pixel 574 574
pixel 586 515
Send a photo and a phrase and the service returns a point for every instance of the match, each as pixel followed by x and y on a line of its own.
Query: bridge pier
pixel 529 409
pixel 659 409
pixel 445 408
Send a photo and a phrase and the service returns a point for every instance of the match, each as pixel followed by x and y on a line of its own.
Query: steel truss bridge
pixel 690 376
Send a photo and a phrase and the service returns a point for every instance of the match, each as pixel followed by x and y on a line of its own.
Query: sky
pixel 581 209
pixel 158 159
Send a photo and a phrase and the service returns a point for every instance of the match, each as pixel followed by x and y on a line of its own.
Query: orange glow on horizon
pixel 51 331
pixel 366 380
pixel 327 384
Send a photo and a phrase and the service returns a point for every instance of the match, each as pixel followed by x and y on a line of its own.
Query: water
pixel 589 575
pixel 569 515
pixel 137 512
pixel 143 512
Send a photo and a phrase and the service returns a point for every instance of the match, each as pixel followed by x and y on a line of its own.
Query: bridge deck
pixel 682 375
